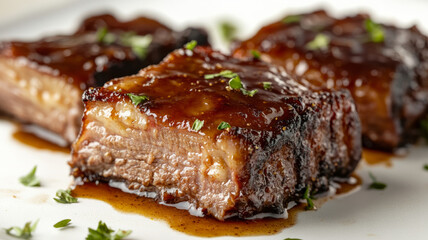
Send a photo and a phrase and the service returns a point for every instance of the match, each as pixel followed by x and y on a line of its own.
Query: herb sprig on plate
pixel 64 196
pixel 30 180
pixel 23 233
pixel 62 223
pixel 375 183
pixel 103 232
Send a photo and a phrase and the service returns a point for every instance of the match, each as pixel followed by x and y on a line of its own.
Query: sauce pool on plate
pixel 182 221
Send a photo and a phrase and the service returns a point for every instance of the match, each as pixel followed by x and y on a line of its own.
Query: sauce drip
pixel 372 157
pixel 30 139
pixel 347 187
pixel 182 221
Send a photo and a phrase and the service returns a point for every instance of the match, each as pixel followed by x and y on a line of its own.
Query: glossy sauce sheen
pixel 179 93
pixel 387 79
pixel 77 57
pixel 182 221
pixel 373 157
pixel 32 140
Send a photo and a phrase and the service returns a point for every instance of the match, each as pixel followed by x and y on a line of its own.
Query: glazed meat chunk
pixel 42 82
pixel 231 137
pixel 384 67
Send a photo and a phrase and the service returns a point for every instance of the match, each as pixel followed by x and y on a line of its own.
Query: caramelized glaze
pixel 76 58
pixel 387 79
pixel 182 221
pixel 179 94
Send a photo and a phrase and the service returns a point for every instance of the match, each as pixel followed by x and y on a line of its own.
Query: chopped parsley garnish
pixel 64 196
pixel 235 82
pixel 375 31
pixel 375 184
pixel 197 125
pixel 292 19
pixel 103 36
pixel 23 233
pixel 308 197
pixel 30 180
pixel 426 167
pixel 191 45
pixel 267 85
pixel 138 43
pixel 62 223
pixel 321 41
pixel 228 31
pixel 249 93
pixel 255 53
pixel 137 99
pixel 224 73
pixel 103 232
pixel 223 125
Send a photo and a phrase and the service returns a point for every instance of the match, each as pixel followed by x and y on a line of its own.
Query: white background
pixel 399 212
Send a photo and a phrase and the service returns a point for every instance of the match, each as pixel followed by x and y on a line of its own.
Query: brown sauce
pixel 346 187
pixel 182 221
pixel 34 141
pixel 373 157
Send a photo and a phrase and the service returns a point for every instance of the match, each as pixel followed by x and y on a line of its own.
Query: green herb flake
pixel 137 99
pixel 191 45
pixel 30 180
pixel 138 43
pixel 256 54
pixel 197 125
pixel 321 41
pixel 223 125
pixel 426 167
pixel 103 232
pixel 375 184
pixel 375 31
pixel 292 239
pixel 101 33
pixel 267 85
pixel 308 197
pixel 291 19
pixel 250 93
pixel 235 83
pixel 23 233
pixel 62 223
pixel 224 73
pixel 64 196
pixel 228 31
pixel 103 36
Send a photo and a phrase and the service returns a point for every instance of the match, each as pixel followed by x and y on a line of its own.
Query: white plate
pixel 398 212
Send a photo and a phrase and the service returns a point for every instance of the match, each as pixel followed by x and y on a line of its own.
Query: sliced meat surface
pixel 231 137
pixel 41 82
pixel 384 67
